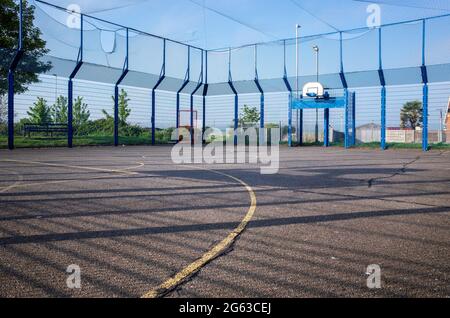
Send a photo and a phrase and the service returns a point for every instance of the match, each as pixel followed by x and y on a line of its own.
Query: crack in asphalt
pixel 371 182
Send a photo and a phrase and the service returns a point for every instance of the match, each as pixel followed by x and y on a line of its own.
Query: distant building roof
pixel 369 126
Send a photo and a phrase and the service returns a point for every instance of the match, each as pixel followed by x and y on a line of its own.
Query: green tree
pixel 3 115
pixel 33 46
pixel 59 110
pixel 81 116
pixel 40 113
pixel 3 110
pixel 249 116
pixel 124 109
pixel 411 115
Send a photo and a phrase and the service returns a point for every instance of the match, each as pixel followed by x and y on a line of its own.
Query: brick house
pixel 447 123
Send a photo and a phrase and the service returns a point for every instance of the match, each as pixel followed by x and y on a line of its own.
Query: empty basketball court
pixel 138 225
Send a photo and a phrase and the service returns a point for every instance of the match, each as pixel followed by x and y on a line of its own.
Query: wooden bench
pixel 44 128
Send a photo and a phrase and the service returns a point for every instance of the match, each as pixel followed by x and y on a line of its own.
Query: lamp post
pixel 316 50
pixel 297 83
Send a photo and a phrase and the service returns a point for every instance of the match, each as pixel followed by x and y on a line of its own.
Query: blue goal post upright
pixel 346 102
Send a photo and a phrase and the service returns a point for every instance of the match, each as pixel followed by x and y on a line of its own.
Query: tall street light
pixel 297 83
pixel 316 50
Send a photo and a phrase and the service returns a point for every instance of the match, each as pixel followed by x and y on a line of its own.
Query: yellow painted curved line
pixel 212 254
pixel 191 269
pixel 15 184
pixel 124 171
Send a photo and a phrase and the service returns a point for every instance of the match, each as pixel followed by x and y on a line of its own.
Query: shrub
pixel 40 113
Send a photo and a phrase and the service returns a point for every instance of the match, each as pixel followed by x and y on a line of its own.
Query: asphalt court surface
pixel 131 219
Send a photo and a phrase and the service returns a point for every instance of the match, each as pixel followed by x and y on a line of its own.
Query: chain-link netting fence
pixel 130 87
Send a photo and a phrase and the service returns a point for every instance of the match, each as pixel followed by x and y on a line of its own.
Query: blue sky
pixel 185 21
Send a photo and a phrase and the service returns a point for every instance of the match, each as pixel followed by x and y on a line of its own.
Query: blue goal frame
pixel 347 102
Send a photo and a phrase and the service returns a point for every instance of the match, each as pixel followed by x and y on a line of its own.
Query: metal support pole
pixel 153 116
pixel 116 115
pixel 383 91
pixel 261 101
pixel 347 140
pixel 383 118
pixel 70 115
pixel 205 93
pixel 162 76
pixel 290 121
pixel 354 119
pixel 262 124
pixel 425 113
pixel 326 126
pixel 203 118
pixel 192 132
pixel 316 130
pixel 425 118
pixel 236 118
pixel 70 86
pixel 236 99
pixel 186 82
pixel 289 88
pixel 297 85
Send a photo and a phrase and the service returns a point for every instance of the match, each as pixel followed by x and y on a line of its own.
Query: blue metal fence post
pixel 116 115
pixel 289 88
pixel 425 113
pixel 236 100
pixel 236 118
pixel 261 101
pixel 425 146
pixel 346 93
pixel 205 93
pixel 347 115
pixel 301 126
pixel 383 118
pixel 383 91
pixel 70 114
pixel 290 121
pixel 162 76
pixel 116 91
pixel 199 85
pixel 354 119
pixel 12 68
pixel 185 83
pixel 70 86
pixel 326 127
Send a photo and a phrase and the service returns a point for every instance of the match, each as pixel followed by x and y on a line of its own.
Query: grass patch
pixel 377 145
pixel 85 141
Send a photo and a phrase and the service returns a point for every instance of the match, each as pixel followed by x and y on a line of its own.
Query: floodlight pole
pixel 297 86
pixel 297 27
pixel 425 113
pixel 316 50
